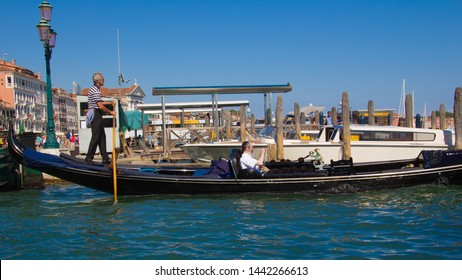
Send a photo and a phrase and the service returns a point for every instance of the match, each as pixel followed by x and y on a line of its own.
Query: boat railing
pixel 308 132
pixel 191 135
pixel 194 135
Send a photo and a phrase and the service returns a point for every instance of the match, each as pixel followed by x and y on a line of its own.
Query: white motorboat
pixel 368 144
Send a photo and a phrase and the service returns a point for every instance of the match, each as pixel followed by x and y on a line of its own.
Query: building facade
pixel 65 111
pixel 22 90
pixel 23 93
pixel 23 98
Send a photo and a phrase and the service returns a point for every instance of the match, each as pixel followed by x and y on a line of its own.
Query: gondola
pixel 441 167
pixel 9 169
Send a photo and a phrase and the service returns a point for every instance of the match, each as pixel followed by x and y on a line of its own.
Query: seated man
pixel 248 162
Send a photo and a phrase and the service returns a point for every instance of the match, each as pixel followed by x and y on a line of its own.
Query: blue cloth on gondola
pixel 52 163
pixel 218 169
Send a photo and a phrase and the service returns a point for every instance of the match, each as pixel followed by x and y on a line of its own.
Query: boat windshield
pixel 268 132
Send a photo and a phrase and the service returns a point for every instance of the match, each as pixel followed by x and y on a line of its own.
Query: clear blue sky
pixel 322 48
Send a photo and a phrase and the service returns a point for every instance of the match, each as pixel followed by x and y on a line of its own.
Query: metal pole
pixel 51 142
pixel 164 125
pixel 215 116
pixel 265 114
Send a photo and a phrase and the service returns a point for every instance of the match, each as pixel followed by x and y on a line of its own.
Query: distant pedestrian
pixel 38 141
pixel 151 140
pixel 328 118
pixel 98 136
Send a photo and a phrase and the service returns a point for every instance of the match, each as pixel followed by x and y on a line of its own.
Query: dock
pixel 156 158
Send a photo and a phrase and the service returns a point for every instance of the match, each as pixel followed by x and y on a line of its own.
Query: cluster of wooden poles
pixel 277 152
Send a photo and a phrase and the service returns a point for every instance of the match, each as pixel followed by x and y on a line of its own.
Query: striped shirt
pixel 94 96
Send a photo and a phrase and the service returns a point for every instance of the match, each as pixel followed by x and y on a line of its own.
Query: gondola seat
pixel 234 161
pixel 341 167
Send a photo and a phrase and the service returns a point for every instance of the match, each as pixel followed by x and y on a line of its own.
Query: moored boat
pixel 368 144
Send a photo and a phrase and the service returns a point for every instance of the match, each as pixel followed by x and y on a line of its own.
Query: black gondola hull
pixel 443 170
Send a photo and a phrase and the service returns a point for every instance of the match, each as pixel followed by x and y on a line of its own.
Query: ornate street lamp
pixel 48 37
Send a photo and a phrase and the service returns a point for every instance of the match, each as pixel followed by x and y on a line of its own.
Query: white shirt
pixel 247 161
pixel 328 120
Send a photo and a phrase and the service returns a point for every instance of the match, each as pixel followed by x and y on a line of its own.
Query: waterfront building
pixel 23 95
pixel 65 111
pixel 22 90
pixel 6 114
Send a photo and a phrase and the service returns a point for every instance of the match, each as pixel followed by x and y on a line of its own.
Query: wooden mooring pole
pixel 370 111
pixel 302 118
pixel 229 122
pixel 252 123
pixel 442 117
pixel 458 117
pixel 242 122
pixel 433 121
pixel 409 113
pixel 298 128
pixel 333 115
pixel 346 126
pixel 280 133
pixel 317 118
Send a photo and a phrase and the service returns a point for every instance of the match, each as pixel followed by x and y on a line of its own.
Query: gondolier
pixel 96 108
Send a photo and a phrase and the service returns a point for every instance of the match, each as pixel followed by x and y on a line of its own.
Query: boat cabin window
pixel 306 135
pixel 424 136
pixel 290 119
pixel 309 135
pixel 291 134
pixel 268 132
pixel 390 136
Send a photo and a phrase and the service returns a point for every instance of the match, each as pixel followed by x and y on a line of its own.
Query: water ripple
pixel 72 222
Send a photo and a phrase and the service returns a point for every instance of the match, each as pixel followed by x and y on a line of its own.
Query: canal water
pixel 68 221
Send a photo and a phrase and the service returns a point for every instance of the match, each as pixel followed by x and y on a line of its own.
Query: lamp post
pixel 48 37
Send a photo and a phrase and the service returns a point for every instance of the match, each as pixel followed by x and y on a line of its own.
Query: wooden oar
pixel 114 157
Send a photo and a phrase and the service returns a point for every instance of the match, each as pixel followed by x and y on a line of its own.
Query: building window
pixel 9 81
